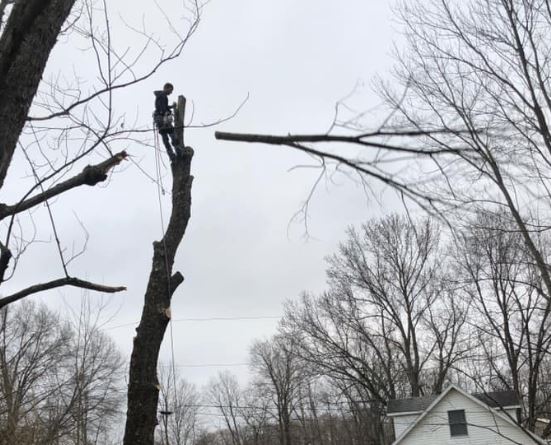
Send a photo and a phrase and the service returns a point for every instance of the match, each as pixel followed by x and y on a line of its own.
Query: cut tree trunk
pixel 143 387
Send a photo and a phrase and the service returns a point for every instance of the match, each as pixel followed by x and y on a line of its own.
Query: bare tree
pixel 60 380
pixel 180 409
pixel 55 123
pixel 256 416
pixel 331 343
pixel 226 395
pixel 512 309
pixel 209 438
pixel 391 324
pixel 26 41
pixel 34 342
pixel 467 128
pixel 447 324
pixel 467 133
pixel 279 373
pixel 388 300
pixel 388 272
pixel 70 124
pixel 95 369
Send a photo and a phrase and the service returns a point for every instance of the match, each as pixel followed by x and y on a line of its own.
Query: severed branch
pixel 67 281
pixel 90 175
pixel 175 281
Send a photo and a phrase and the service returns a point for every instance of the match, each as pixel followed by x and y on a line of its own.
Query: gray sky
pixel 241 256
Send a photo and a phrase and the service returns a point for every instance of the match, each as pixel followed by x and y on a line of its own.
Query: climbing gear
pixel 167 120
pixel 161 192
pixel 163 121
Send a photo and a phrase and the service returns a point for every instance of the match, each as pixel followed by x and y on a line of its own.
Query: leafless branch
pixel 90 175
pixel 67 281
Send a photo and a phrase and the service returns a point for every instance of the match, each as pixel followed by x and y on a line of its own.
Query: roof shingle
pixel 416 404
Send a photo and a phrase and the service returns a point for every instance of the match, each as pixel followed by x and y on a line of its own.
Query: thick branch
pixel 90 175
pixel 5 257
pixel 313 138
pixel 25 44
pixel 354 164
pixel 68 281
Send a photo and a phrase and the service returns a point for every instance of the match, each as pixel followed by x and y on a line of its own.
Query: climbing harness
pixel 168 119
pixel 161 121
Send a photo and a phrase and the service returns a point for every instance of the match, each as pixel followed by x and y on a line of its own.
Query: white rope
pixel 160 191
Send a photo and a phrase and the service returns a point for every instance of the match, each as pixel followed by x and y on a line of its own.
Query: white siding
pixel 512 413
pixel 484 428
pixel 401 423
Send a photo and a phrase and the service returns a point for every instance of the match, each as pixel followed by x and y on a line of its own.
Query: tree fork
pixel 143 386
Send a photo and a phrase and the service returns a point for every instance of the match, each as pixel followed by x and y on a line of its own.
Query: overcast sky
pixel 242 255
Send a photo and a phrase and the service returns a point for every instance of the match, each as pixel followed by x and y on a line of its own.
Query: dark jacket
pixel 161 103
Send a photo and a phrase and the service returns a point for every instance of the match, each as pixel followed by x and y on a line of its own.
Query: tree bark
pixel 90 175
pixel 143 387
pixel 25 45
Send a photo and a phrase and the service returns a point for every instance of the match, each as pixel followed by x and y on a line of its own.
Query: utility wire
pixel 204 319
pixel 207 365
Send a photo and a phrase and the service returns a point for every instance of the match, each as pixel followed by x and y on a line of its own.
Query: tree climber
pixel 163 119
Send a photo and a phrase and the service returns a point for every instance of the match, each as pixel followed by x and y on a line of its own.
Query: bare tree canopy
pixel 61 379
pixel 467 128
pixel 54 124
pixel 466 137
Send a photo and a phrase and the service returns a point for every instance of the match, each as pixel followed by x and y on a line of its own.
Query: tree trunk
pixel 27 40
pixel 143 387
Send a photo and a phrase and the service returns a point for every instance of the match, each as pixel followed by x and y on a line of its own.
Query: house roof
pixel 498 399
pixel 412 405
pixel 439 397
pixel 493 399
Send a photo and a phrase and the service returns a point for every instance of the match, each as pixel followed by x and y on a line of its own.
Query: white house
pixel 458 418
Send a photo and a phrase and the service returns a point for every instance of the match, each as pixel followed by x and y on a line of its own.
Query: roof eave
pixel 403 413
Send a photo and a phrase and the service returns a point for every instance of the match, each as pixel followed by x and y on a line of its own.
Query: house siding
pixel 484 428
pixel 402 423
pixel 511 413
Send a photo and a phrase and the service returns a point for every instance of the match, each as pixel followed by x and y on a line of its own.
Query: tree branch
pixel 175 281
pixel 5 257
pixel 68 281
pixel 359 140
pixel 90 175
pixel 403 188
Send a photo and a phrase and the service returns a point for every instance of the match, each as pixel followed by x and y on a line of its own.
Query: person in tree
pixel 163 119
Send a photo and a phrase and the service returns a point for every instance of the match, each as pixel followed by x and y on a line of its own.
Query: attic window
pixel 458 424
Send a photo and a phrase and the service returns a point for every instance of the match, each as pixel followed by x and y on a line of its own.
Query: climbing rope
pixel 160 192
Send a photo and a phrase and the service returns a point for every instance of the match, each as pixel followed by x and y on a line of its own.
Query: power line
pixel 204 319
pixel 325 407
pixel 266 317
pixel 206 365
